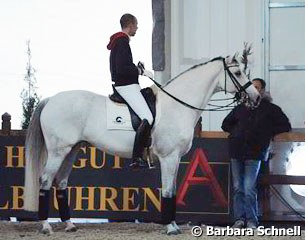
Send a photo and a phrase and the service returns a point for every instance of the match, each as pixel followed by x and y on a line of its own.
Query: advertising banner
pixel 103 186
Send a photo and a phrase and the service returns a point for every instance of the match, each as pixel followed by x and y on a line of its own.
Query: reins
pixel 175 98
pixel 238 86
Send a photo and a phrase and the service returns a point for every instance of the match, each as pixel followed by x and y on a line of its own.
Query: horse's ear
pixel 235 57
pixel 230 59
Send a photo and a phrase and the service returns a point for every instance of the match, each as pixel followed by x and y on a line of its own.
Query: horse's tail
pixel 35 155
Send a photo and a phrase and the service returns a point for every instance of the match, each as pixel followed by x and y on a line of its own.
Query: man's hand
pixel 144 72
pixel 141 68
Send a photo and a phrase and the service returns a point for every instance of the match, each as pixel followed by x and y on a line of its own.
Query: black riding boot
pixel 141 141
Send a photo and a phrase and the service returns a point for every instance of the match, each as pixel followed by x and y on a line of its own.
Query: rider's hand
pixel 141 68
pixel 148 74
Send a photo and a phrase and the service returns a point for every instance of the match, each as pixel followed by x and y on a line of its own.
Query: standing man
pixel 250 132
pixel 125 74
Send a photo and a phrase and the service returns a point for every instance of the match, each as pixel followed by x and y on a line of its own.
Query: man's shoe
pixel 239 224
pixel 251 225
pixel 139 163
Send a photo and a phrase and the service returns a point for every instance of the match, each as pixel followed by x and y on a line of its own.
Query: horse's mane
pixel 191 68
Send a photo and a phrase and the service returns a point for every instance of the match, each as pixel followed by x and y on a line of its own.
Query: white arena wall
pixel 198 30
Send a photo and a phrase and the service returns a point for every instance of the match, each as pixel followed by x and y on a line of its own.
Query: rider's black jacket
pixel 123 70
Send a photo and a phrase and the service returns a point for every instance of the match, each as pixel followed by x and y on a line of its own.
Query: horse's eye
pixel 238 73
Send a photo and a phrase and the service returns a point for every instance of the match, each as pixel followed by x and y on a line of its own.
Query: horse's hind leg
pixel 61 181
pixel 51 168
pixel 63 206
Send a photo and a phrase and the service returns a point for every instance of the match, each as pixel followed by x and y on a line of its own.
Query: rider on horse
pixel 125 74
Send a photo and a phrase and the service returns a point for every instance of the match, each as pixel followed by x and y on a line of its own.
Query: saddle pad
pixel 118 116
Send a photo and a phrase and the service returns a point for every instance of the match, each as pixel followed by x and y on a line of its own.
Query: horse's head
pixel 236 81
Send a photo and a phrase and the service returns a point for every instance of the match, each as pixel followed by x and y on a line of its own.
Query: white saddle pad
pixel 118 116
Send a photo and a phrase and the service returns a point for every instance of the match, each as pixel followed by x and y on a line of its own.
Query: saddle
pixel 150 99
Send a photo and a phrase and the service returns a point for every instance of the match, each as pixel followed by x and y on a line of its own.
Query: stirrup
pixel 149 158
pixel 151 165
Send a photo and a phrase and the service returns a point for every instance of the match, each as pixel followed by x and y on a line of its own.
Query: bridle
pixel 238 86
pixel 241 89
pixel 241 96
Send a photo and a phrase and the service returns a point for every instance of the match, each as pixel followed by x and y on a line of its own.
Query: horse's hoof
pixel 173 229
pixel 71 229
pixel 176 227
pixel 174 232
pixel 46 231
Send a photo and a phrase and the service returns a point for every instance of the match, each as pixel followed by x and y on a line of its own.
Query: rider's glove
pixel 141 68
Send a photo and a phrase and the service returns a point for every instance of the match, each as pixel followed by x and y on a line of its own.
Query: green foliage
pixel 28 107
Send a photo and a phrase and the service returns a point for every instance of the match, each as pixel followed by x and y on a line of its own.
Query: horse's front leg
pixel 169 170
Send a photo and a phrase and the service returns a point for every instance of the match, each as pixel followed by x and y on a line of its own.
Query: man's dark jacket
pixel 251 130
pixel 123 70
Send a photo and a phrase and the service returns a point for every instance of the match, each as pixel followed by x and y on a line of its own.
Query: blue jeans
pixel 244 176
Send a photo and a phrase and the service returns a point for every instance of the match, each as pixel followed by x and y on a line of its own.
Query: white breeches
pixel 132 95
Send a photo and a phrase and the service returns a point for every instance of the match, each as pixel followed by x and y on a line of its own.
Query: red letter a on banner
pixel 199 159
